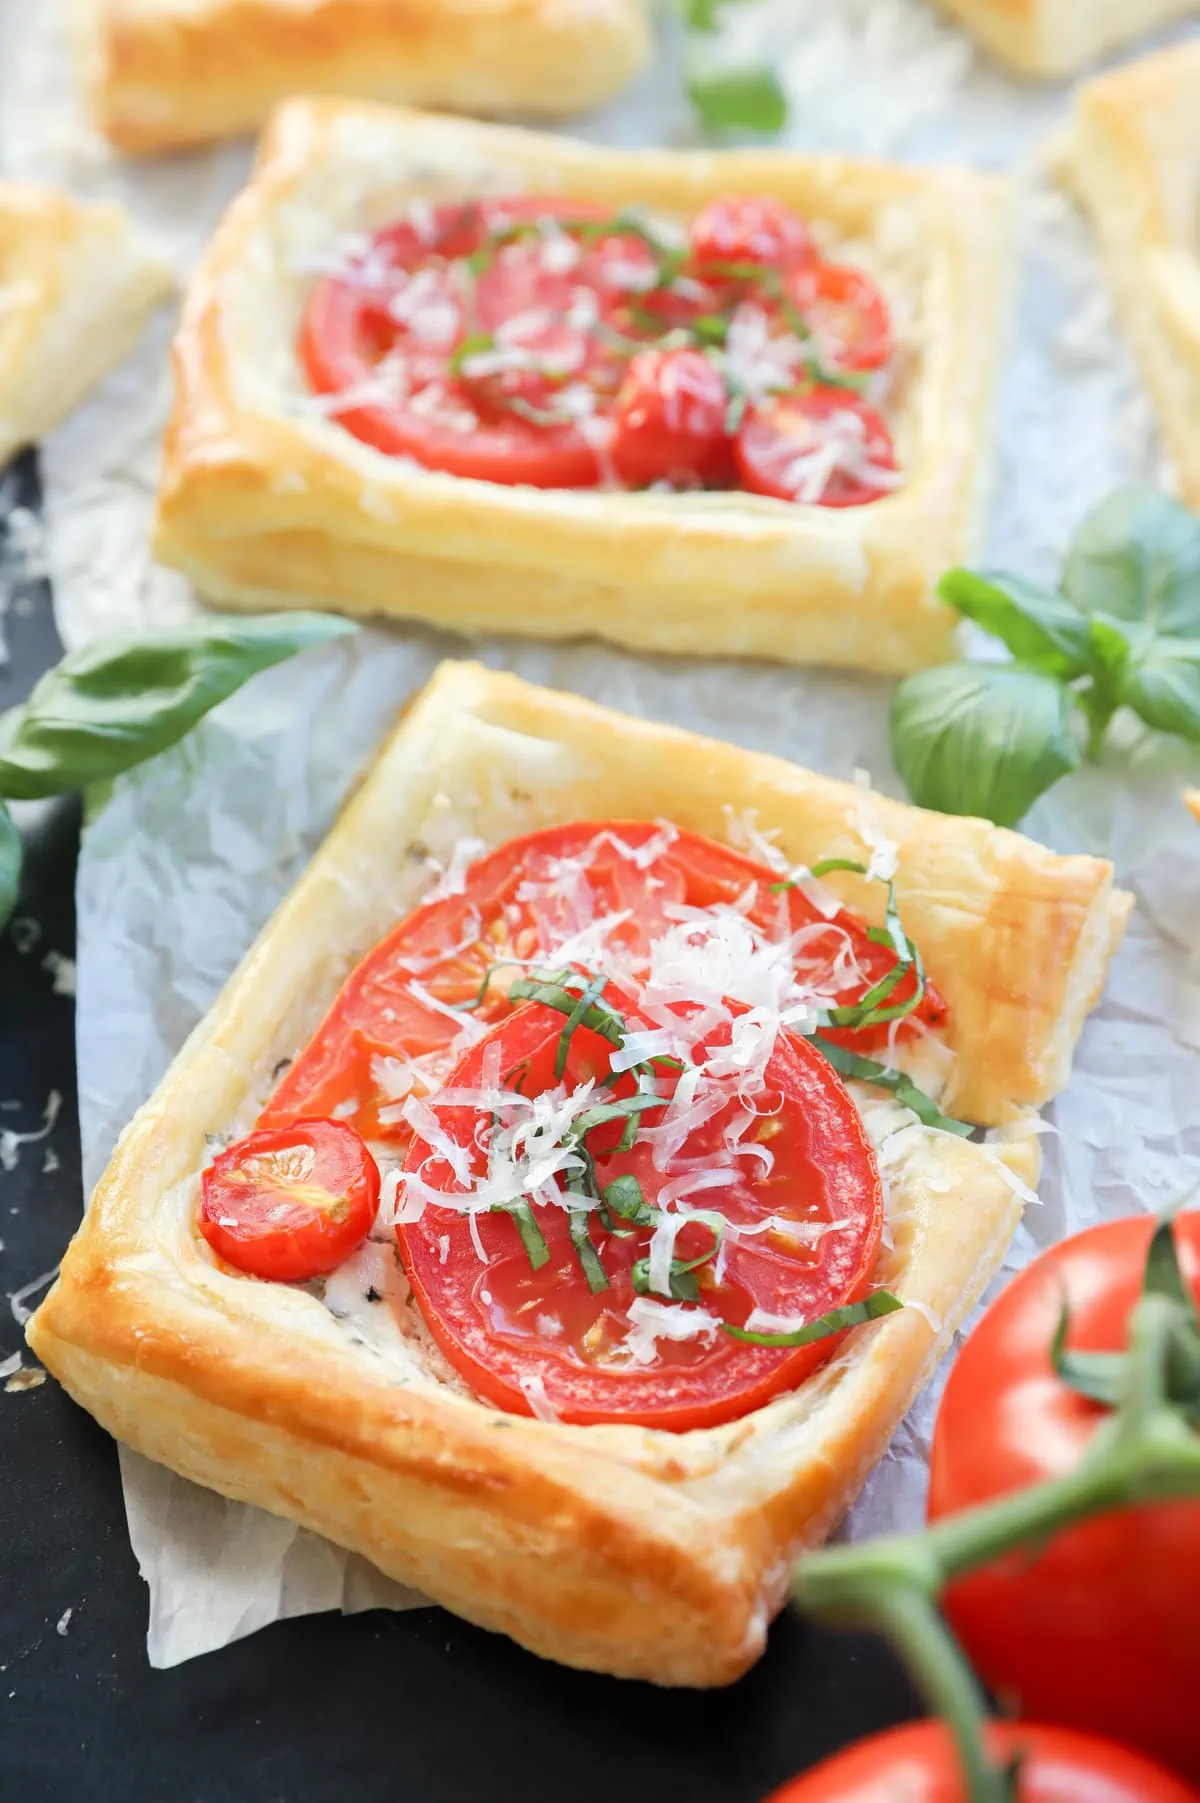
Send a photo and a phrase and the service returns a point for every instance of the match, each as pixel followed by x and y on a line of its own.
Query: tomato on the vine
pixel 919 1764
pixel 1100 1627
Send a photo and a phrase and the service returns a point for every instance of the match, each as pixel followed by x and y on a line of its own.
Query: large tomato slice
pixel 405 1001
pixel 918 1764
pixel 810 1211
pixel 290 1203
pixel 1101 1627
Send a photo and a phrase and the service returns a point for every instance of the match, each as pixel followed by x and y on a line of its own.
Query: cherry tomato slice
pixel 747 229
pixel 809 1223
pixel 821 446
pixel 1100 1628
pixel 393 1024
pixel 918 1764
pixel 290 1203
pixel 846 313
pixel 670 421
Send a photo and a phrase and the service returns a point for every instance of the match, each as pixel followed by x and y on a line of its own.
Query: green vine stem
pixel 1144 1452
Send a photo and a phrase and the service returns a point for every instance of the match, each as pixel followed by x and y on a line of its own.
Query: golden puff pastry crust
pixel 1132 156
pixel 619 1548
pixel 1059 37
pixel 264 500
pixel 76 286
pixel 167 73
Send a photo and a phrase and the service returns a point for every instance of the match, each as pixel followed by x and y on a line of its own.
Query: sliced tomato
pixel 395 1020
pixel 810 1210
pixel 918 1764
pixel 669 422
pixel 846 314
pixel 292 1202
pixel 823 446
pixel 748 229
pixel 1100 1628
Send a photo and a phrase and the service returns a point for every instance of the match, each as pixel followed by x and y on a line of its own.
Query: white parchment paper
pixel 185 860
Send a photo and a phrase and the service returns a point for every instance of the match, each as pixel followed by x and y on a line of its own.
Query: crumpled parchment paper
pixel 187 857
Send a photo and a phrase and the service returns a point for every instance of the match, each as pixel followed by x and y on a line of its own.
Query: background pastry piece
pixel 617 1548
pixel 76 285
pixel 1059 37
pixel 267 502
pixel 1132 156
pixel 164 73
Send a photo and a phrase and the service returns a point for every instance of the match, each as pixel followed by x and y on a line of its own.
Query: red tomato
pixel 509 1328
pixel 1101 1628
pixel 823 446
pixel 846 314
pixel 919 1764
pixel 390 323
pixel 748 229
pixel 523 900
pixel 292 1202
pixel 670 421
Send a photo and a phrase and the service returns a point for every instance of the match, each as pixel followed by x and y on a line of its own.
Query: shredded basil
pixel 532 1237
pixel 585 1251
pixel 906 1092
pixel 881 1302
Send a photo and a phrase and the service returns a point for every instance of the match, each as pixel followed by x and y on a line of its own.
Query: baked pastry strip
pixel 1060 37
pixel 161 75
pixel 76 286
pixel 265 501
pixel 624 1549
pixel 1132 156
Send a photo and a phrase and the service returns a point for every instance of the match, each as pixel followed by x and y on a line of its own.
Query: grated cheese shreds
pixel 653 1321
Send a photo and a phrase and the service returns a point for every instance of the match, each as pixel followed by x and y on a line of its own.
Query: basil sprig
pixel 123 699
pixel 1121 630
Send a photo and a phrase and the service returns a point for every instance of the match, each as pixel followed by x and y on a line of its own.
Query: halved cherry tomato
pixel 746 229
pixel 1101 1627
pixel 919 1764
pixel 670 421
pixel 846 313
pixel 524 899
pixel 292 1202
pixel 820 445
pixel 506 1326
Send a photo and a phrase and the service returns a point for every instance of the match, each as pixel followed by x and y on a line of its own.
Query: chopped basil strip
pixel 851 1064
pixel 585 1252
pixel 549 989
pixel 470 347
pixel 623 1197
pixel 532 1237
pixel 882 1302
pixel 588 997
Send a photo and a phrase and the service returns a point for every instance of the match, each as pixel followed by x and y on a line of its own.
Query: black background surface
pixel 376 1708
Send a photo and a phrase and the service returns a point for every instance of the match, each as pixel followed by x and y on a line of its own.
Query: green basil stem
pixel 1144 1452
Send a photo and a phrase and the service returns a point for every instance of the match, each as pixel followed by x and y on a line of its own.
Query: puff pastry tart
pixel 558 1134
pixel 700 403
pixel 1058 37
pixel 166 73
pixel 76 286
pixel 1132 155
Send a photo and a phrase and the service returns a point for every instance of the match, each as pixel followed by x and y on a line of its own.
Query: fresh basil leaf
pixel 1162 686
pixel 701 15
pixel 123 699
pixel 906 1092
pixel 10 863
pixel 983 739
pixel 1041 629
pixel 880 1302
pixel 589 1259
pixel 739 100
pixel 1137 557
